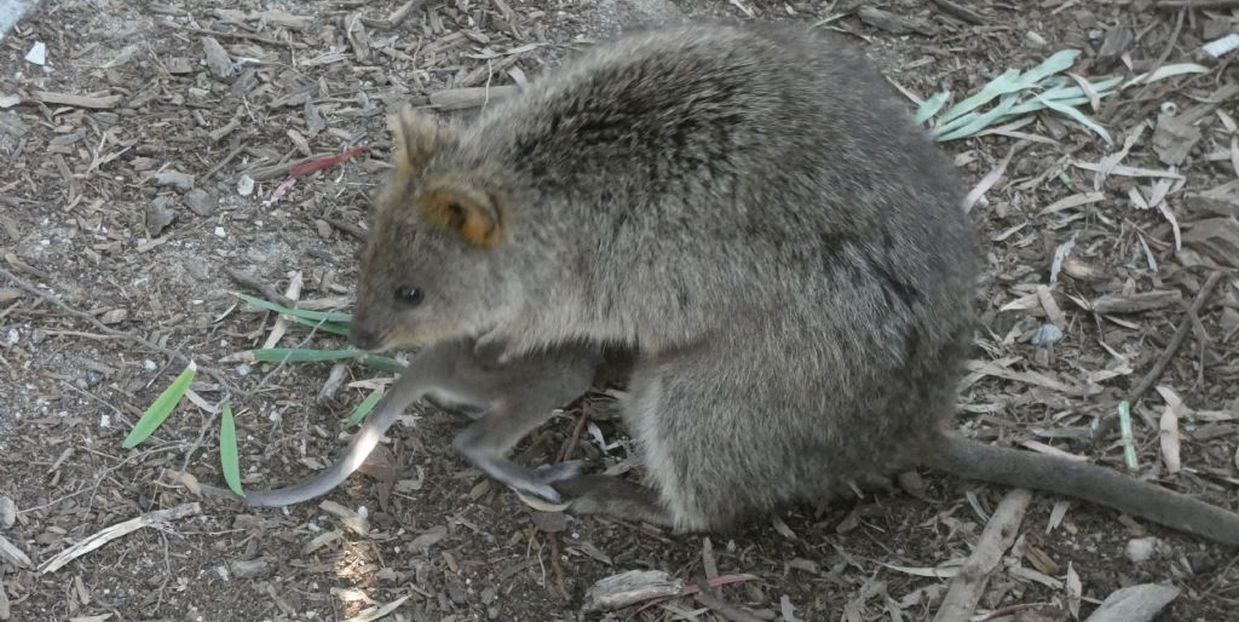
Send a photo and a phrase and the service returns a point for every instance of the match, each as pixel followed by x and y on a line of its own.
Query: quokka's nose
pixel 364 338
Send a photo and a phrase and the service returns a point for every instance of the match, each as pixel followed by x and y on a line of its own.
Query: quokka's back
pixel 674 166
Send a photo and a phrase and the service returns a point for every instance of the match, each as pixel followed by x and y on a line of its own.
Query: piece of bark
pixel 77 101
pixel 1136 303
pixel 217 58
pixel 894 24
pixel 1216 237
pixel 628 588
pixel 1224 95
pixel 1173 139
pixel 159 214
pixel 1118 40
pixel 1205 205
pixel 998 536
pixel 1175 5
pixel 959 11
pixel 470 97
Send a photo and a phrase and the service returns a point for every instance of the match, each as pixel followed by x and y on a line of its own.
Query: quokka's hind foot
pixel 614 497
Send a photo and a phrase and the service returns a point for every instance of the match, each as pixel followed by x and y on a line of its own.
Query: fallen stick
pixel 259 286
pixel 557 571
pixel 469 97
pixel 403 11
pixel 1174 5
pixel 1154 374
pixel 628 588
pixel 346 227
pixel 76 101
pixel 998 536
pixel 1159 366
pixel 234 35
pixel 157 518
pixel 961 12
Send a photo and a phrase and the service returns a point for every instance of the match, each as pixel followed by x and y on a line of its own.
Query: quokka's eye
pixel 408 296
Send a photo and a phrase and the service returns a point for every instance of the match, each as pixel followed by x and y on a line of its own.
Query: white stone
pixel 37 54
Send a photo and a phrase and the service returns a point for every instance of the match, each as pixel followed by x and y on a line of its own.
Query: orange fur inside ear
pixel 414 137
pixel 471 214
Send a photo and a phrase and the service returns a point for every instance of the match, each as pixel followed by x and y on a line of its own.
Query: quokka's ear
pixel 415 137
pixel 471 213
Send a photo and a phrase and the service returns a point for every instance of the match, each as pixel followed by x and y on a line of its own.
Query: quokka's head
pixel 434 264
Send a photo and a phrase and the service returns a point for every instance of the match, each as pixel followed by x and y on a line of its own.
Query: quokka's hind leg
pixel 614 497
pixel 486 442
pixel 522 395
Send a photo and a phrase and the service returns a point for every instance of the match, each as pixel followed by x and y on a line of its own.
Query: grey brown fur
pixel 508 402
pixel 754 213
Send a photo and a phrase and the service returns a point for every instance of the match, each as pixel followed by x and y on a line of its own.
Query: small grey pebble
pixel 200 202
pixel 8 512
pixel 114 316
pixel 159 214
pixel 324 229
pixel 1047 335
pixel 175 179
pixel 1141 550
pixel 245 185
pixel 457 592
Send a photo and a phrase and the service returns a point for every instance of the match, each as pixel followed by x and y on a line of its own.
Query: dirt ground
pixel 139 163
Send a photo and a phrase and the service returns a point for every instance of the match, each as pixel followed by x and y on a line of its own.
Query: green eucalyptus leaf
pixel 159 410
pixel 229 463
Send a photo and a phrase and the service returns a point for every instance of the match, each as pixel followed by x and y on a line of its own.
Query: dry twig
pixel 999 534
pixel 233 35
pixel 1175 5
pixel 77 101
pixel 1107 423
pixel 959 11
pixel 259 286
pixel 157 518
pixel 346 227
pixel 560 586
pixel 1185 326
